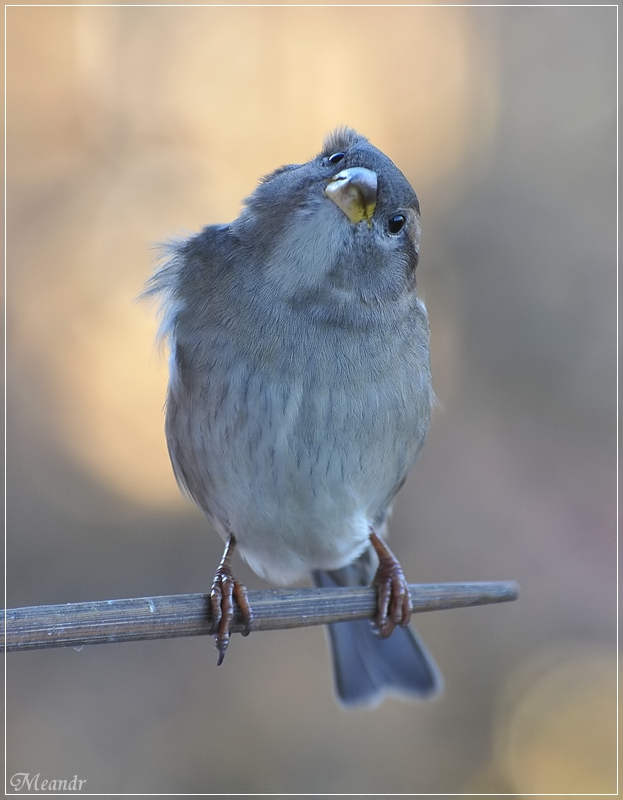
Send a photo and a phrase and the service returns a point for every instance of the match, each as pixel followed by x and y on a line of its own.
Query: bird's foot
pixel 225 588
pixel 394 599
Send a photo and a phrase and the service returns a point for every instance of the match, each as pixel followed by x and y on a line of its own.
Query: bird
pixel 300 395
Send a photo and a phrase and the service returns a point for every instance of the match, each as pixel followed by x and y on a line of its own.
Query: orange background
pixel 129 125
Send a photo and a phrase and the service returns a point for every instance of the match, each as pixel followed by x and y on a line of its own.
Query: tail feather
pixel 367 667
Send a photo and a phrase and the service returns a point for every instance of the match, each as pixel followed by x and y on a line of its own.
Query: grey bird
pixel 300 394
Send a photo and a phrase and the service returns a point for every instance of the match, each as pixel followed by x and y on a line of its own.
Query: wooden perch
pixel 77 624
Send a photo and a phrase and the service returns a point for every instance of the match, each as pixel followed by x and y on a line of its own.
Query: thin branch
pixel 99 622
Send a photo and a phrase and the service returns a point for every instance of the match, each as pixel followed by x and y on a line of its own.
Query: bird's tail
pixel 367 667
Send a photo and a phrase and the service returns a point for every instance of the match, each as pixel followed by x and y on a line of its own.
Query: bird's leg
pixel 394 599
pixel 224 589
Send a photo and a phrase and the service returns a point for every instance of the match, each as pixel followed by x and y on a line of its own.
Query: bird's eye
pixel 336 158
pixel 396 223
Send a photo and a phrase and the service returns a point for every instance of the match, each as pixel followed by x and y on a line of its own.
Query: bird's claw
pixel 225 589
pixel 394 598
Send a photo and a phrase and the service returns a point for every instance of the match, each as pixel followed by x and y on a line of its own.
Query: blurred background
pixel 130 125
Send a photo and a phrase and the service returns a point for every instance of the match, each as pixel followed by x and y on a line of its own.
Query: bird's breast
pixel 297 461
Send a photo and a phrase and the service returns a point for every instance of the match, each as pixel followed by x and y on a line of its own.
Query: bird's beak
pixel 354 191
